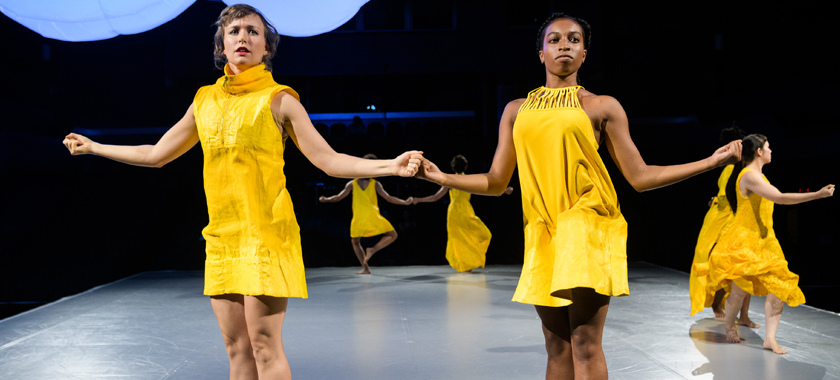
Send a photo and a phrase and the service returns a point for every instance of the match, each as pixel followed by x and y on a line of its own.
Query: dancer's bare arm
pixel 348 188
pixel 390 198
pixel 175 142
pixel 434 197
pixel 292 117
pixel 753 183
pixel 642 176
pixel 494 182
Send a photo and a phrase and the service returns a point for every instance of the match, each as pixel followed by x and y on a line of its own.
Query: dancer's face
pixel 765 152
pixel 245 42
pixel 563 51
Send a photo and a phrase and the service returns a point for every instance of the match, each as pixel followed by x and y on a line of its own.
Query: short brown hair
pixel 236 12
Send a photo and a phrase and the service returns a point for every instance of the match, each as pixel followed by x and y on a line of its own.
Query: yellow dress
pixel 718 216
pixel 253 239
pixel 367 221
pixel 468 237
pixel 749 254
pixel 576 235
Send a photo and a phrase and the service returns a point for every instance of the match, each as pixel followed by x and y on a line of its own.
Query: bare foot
pixel 365 270
pixel 718 312
pixel 732 335
pixel 368 254
pixel 749 323
pixel 771 344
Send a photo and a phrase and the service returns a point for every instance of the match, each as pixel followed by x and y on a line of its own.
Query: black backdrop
pixel 682 74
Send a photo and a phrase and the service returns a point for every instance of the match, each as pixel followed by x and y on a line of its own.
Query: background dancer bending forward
pixel 367 221
pixel 575 239
pixel 254 260
pixel 719 216
pixel 467 236
pixel 748 258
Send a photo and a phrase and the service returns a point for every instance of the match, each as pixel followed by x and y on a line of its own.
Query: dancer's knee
pixel 776 305
pixel 265 350
pixel 555 346
pixel 586 346
pixel 238 347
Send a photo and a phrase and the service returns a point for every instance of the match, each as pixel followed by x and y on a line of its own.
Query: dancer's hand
pixel 430 172
pixel 827 191
pixel 78 144
pixel 727 154
pixel 509 190
pixel 409 201
pixel 406 164
pixel 322 199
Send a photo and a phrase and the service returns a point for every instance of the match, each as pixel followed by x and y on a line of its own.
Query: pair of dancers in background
pixel 467 236
pixel 737 253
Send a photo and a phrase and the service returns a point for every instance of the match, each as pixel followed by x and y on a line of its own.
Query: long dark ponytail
pixel 750 145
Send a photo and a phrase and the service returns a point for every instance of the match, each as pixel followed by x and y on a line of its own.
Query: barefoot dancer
pixel 367 221
pixel 719 216
pixel 254 260
pixel 575 240
pixel 748 258
pixel 467 236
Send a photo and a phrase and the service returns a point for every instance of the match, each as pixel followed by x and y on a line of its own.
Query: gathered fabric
pixel 717 218
pixel 467 236
pixel 749 254
pixel 575 234
pixel 367 221
pixel 253 239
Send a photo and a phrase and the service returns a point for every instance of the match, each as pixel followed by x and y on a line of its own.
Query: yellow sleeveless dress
pixel 253 239
pixel 576 235
pixel 749 254
pixel 367 221
pixel 468 237
pixel 718 216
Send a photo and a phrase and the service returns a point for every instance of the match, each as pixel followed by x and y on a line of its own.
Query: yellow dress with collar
pixel 253 239
pixel 576 235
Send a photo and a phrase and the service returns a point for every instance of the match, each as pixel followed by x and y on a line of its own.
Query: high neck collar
pixel 253 79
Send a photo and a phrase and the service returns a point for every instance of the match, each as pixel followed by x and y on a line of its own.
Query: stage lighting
pixel 305 18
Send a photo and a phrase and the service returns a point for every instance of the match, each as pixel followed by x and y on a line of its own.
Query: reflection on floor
pixel 402 323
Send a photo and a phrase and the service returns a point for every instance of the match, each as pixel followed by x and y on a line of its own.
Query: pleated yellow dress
pixel 718 216
pixel 367 221
pixel 253 239
pixel 468 237
pixel 576 236
pixel 749 254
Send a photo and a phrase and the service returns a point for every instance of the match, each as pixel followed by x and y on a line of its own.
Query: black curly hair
pixel 587 30
pixel 459 164
pixel 728 135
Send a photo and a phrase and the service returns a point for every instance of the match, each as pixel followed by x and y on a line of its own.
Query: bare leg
pixel 558 342
pixel 744 317
pixel 586 317
pixel 773 307
pixel 716 304
pixel 386 240
pixel 265 317
pixel 360 254
pixel 733 303
pixel 230 312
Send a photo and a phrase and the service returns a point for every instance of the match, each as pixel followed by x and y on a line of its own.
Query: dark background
pixel 681 72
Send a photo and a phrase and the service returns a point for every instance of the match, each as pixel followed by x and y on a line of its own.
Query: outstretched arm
pixel 391 199
pixel 175 142
pixel 348 188
pixel 434 197
pixel 496 180
pixel 645 177
pixel 291 117
pixel 752 181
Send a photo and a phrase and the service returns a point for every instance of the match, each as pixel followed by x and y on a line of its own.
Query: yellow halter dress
pixel 575 236
pixel 468 237
pixel 253 239
pixel 718 217
pixel 749 254
pixel 367 221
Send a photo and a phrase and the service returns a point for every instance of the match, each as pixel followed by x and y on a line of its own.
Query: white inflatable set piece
pixel 92 20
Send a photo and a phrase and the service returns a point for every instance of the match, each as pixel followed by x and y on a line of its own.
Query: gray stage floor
pixel 402 323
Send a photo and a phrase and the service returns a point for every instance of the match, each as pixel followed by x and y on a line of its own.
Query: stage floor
pixel 421 322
